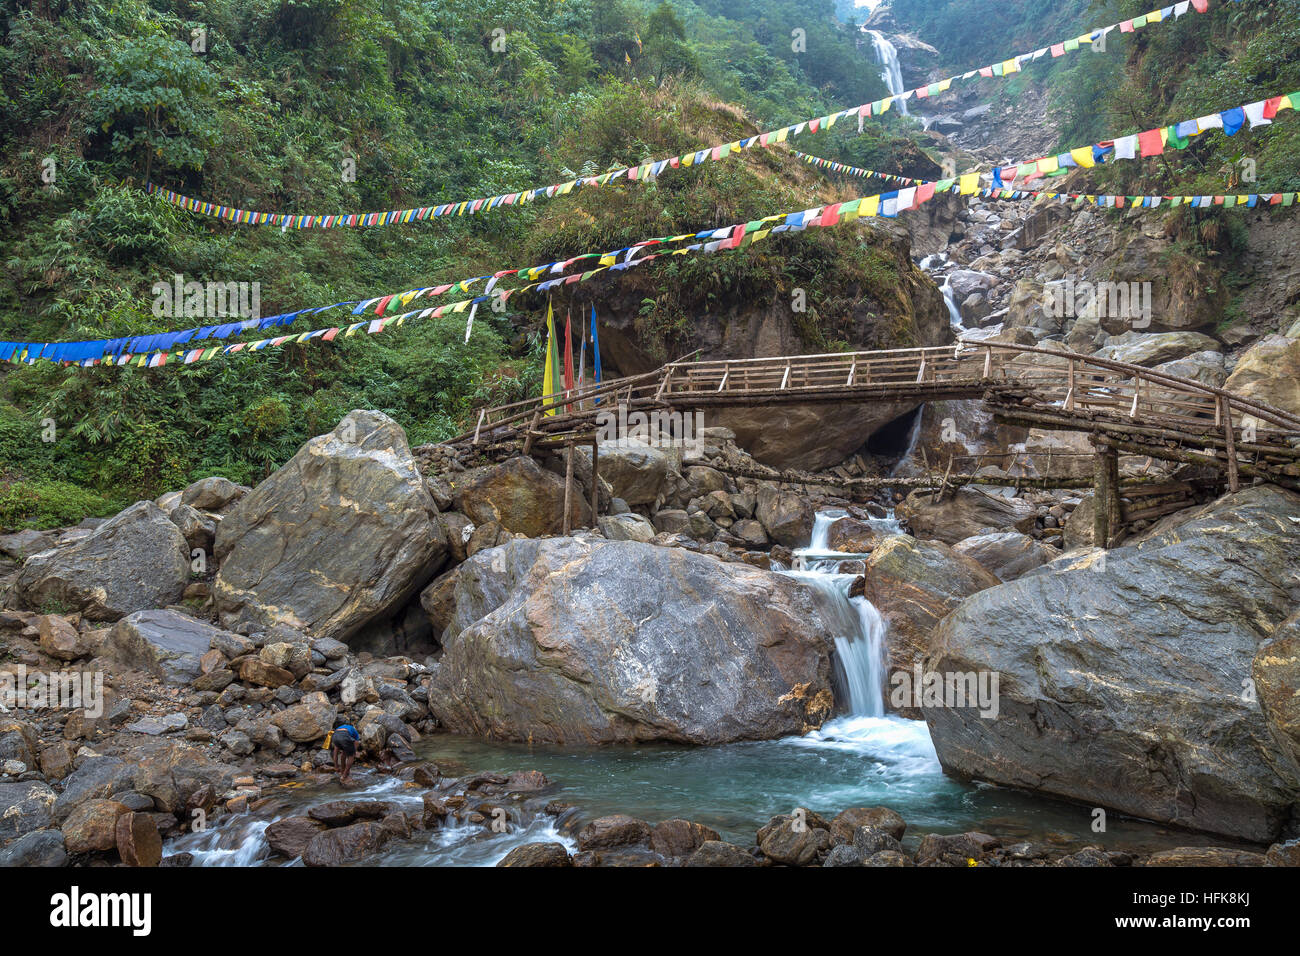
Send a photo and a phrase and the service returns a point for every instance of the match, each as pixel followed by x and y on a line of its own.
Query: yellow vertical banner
pixel 548 377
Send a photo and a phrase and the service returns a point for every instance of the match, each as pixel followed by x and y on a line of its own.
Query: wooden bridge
pixel 1123 407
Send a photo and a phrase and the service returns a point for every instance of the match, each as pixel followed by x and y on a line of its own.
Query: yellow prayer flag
pixel 870 206
pixel 970 183
pixel 1083 157
pixel 548 375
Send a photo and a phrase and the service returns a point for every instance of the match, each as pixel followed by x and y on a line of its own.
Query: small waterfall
pixel 912 438
pixel 859 628
pixel 892 74
pixel 954 314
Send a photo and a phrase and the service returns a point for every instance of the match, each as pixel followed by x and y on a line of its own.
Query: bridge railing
pixel 839 370
pixel 1085 383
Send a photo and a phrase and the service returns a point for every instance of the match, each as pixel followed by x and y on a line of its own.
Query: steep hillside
pixel 332 105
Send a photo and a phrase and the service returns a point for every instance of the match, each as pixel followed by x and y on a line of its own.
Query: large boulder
pixel 178 775
pixel 341 535
pixel 592 641
pixel 136 560
pixel 1126 683
pixel 1155 348
pixel 520 496
pixel 166 643
pixel 1269 372
pixel 914 584
pixel 970 510
pixel 635 471
pixel 345 844
pixel 785 516
pixel 1276 673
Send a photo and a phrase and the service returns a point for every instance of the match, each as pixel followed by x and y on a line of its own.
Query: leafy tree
pixel 155 99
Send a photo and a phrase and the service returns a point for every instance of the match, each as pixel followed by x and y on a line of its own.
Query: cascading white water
pixel 913 436
pixel 892 74
pixel 859 629
pixel 954 314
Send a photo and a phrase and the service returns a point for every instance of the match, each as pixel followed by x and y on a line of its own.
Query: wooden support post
pixel 568 482
pixel 1229 436
pixel 595 482
pixel 1105 500
pixel 532 428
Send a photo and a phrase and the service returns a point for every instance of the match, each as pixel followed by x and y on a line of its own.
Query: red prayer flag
pixel 568 351
pixel 1151 143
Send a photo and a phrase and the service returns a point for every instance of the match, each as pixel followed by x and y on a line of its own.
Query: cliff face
pixel 888 303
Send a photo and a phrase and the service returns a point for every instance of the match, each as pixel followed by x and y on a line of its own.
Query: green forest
pixel 332 105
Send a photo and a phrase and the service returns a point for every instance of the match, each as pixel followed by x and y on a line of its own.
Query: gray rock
pixel 718 853
pixel 786 517
pixel 137 560
pixel 18 740
pixel 968 511
pixel 25 805
pixel 38 848
pixel 672 521
pixel 93 779
pixel 1121 684
pixel 20 544
pixel 198 529
pixel 843 855
pixel 586 641
pixel 869 841
pixel 213 494
pixel 520 496
pixel 634 470
pixel 627 527
pixel 167 644
pixel 155 726
pixel 1155 348
pixel 914 585
pixel 1006 554
pixel 342 534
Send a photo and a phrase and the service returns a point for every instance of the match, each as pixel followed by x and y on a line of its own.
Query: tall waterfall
pixel 892 74
pixel 859 628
